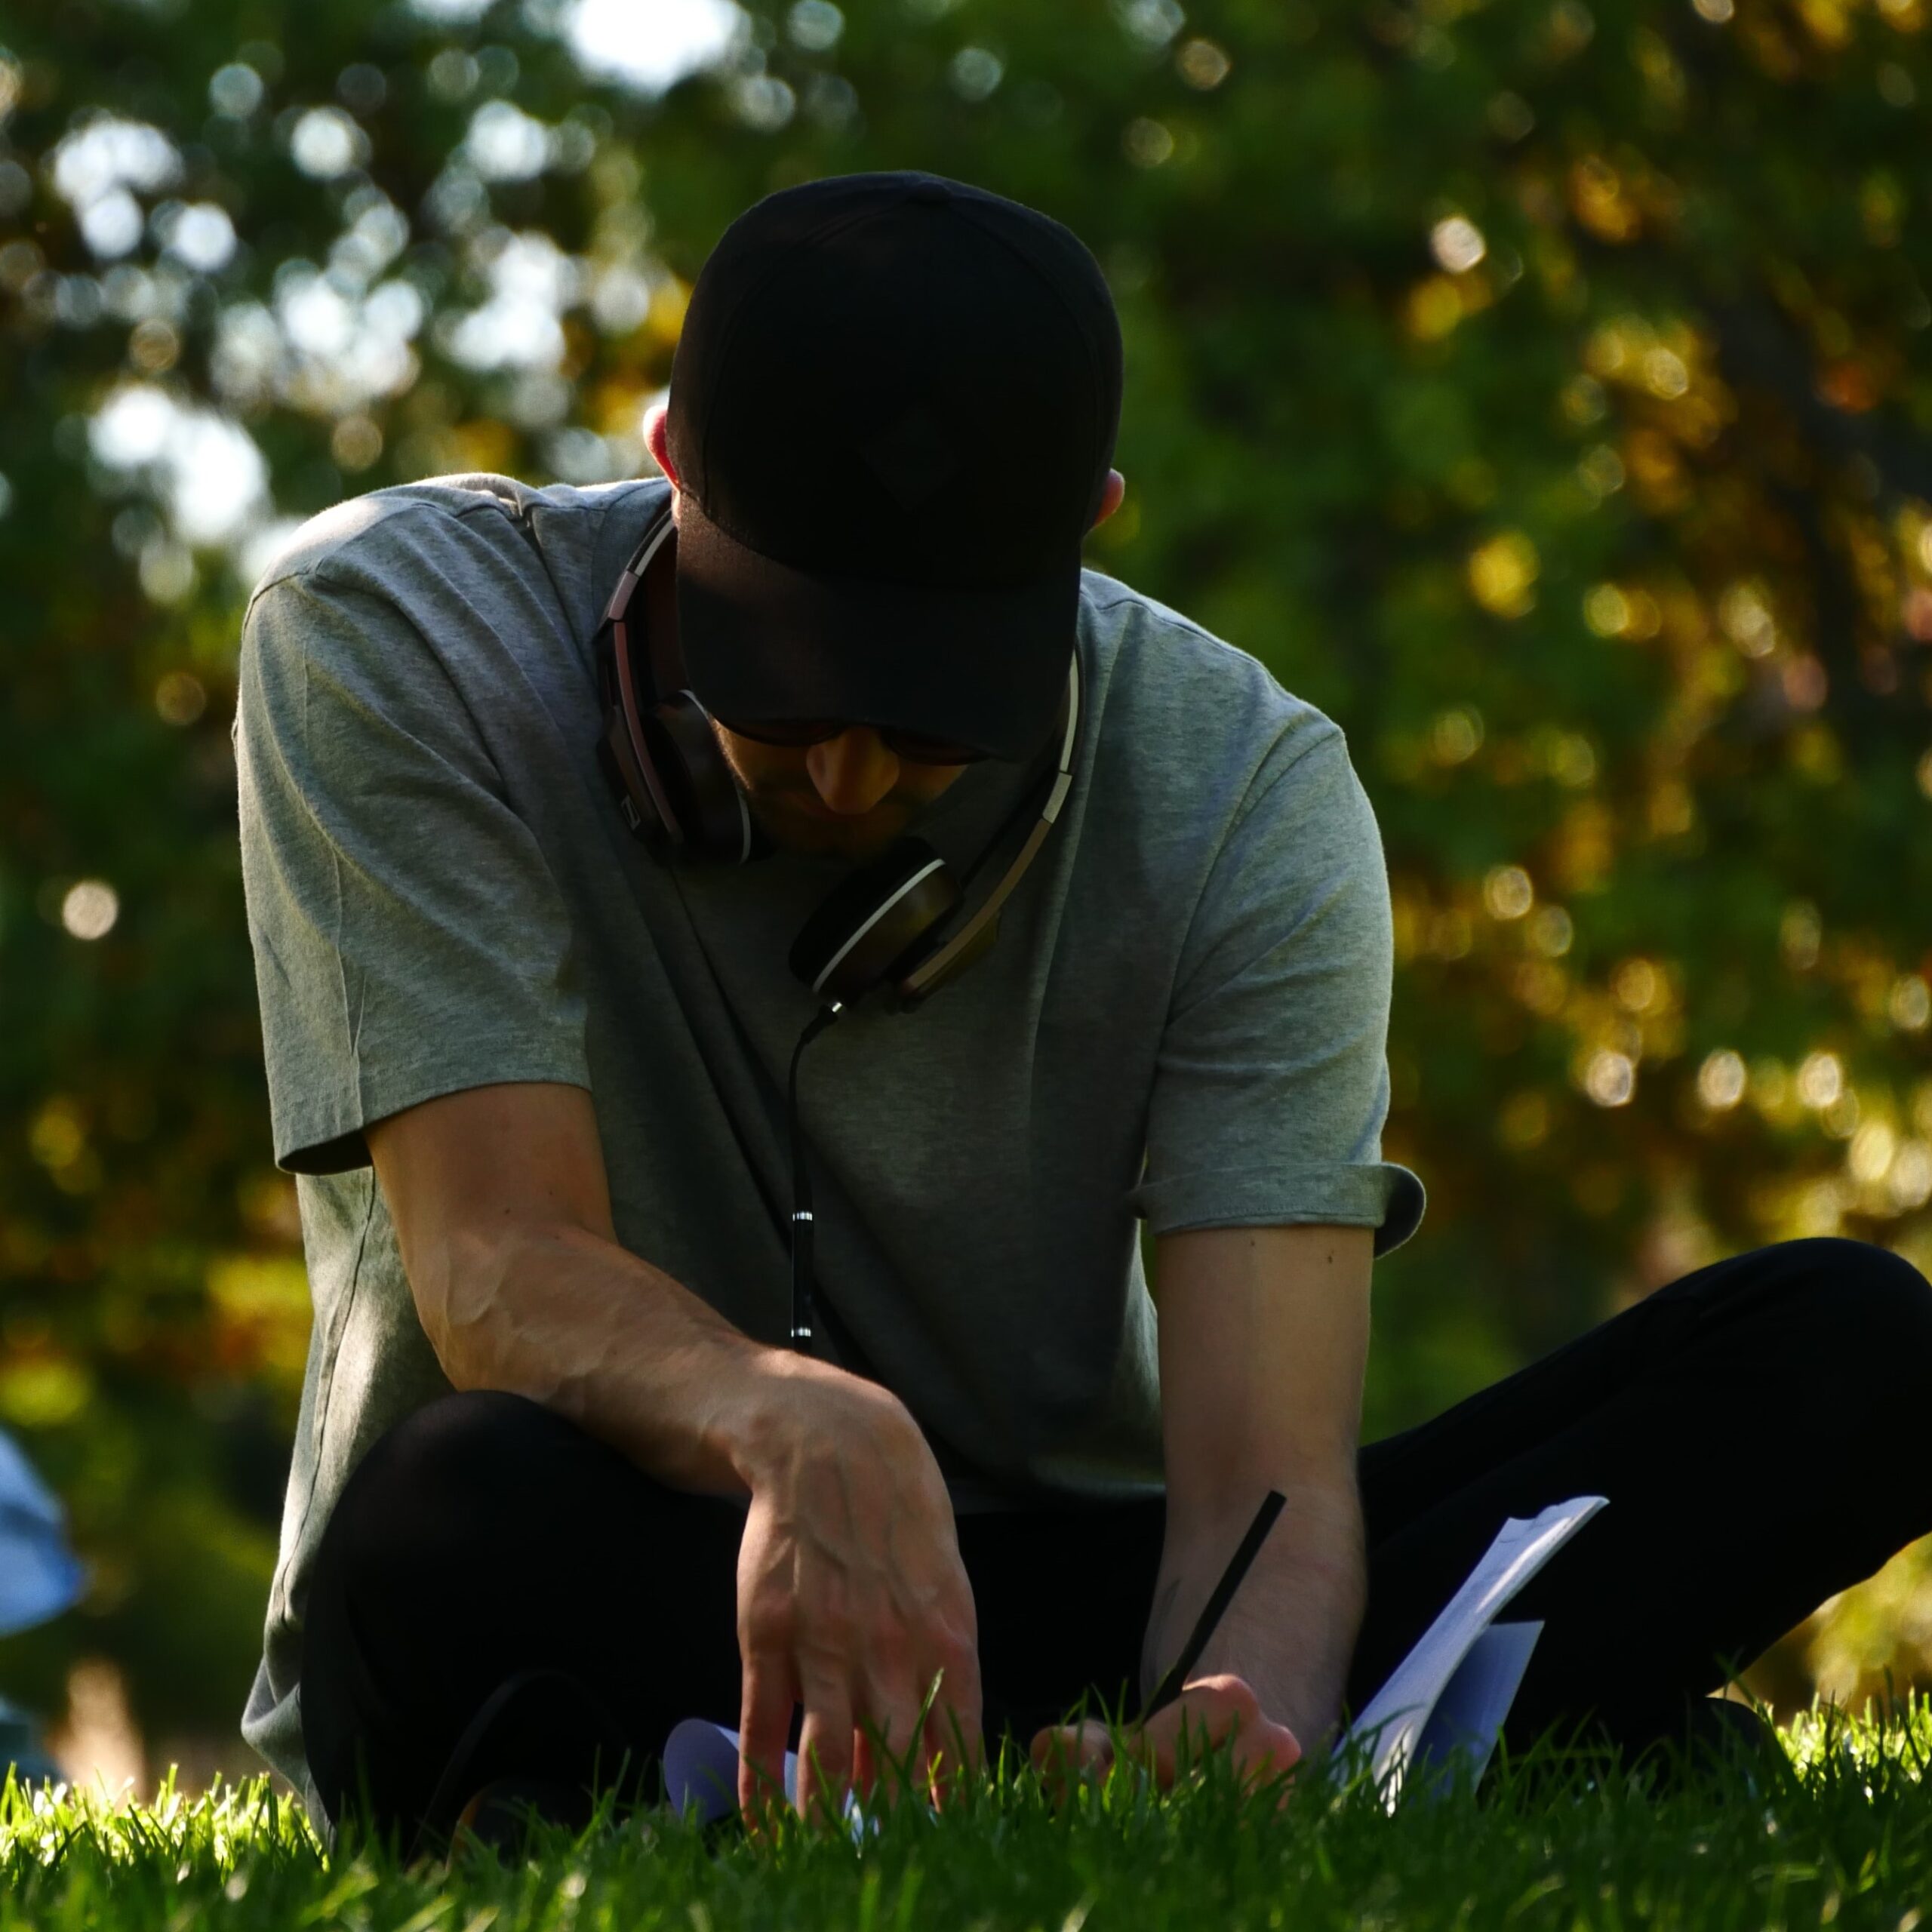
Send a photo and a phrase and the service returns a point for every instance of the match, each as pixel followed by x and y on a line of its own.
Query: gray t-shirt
pixel 441 894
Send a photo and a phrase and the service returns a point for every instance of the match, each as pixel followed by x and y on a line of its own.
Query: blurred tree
pixel 1545 391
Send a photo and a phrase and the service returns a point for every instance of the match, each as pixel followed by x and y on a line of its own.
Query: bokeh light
pixel 1507 893
pixel 1720 1080
pixel 652 48
pixel 1610 1079
pixel 1821 1080
pixel 1457 244
pixel 89 909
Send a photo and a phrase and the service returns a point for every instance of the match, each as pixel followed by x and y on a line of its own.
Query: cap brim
pixel 762 643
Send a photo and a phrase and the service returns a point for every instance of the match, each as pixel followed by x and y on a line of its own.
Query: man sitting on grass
pixel 559 846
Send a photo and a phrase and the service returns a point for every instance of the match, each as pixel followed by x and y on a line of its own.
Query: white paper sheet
pixel 701 1772
pixel 1469 1715
pixel 1399 1712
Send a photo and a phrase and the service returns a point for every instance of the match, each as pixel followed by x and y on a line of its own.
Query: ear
pixel 657 440
pixel 1110 497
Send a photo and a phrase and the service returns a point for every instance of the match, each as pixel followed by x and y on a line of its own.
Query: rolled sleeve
pixel 1272 1084
pixel 410 940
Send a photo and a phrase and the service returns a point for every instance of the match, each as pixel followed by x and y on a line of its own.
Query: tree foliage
pixel 1545 391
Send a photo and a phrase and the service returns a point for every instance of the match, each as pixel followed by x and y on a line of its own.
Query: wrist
pixel 784 1400
pixel 1290 1629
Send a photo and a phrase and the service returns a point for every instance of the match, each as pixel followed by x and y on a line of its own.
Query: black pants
pixel 1758 1426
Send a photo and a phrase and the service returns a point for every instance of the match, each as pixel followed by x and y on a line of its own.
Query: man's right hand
pixel 851 1597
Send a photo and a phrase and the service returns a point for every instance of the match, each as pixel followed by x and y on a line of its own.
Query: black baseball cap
pixel 892 412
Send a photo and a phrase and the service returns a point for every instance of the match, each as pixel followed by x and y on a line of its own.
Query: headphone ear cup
pixel 875 924
pixel 717 822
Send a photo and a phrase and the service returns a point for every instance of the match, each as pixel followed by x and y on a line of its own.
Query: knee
pixel 457 1444
pixel 427 1486
pixel 1869 1299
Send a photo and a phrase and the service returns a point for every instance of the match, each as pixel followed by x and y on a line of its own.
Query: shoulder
pixel 384 542
pixel 1192 707
pixel 350 538
pixel 458 584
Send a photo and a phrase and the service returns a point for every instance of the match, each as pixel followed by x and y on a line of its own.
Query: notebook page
pixel 701 1771
pixel 1395 1715
pixel 1469 1715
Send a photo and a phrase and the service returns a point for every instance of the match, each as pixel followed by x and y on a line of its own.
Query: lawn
pixel 1837 1829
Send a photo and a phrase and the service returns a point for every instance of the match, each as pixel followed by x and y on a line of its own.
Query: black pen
pixel 1169 1687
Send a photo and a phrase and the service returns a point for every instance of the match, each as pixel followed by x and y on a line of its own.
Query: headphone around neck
pixel 882 925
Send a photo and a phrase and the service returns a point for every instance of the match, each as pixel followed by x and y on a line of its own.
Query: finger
pixel 1087 1742
pixel 888 1730
pixel 887 1722
pixel 1177 1739
pixel 1270 1746
pixel 954 1753
pixel 1176 1735
pixel 954 1729
pixel 1285 1770
pixel 948 1723
pixel 1208 1714
pixel 930 1751
pixel 825 1749
pixel 764 1721
pixel 1183 1734
pixel 1261 1748
pixel 1061 1753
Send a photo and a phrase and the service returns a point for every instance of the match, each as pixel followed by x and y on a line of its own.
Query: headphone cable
pixel 801 1190
pixel 802 1222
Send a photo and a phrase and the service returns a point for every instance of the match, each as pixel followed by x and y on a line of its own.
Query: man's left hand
pixel 1208 1711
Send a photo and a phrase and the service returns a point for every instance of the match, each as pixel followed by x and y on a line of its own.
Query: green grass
pixel 1836 1830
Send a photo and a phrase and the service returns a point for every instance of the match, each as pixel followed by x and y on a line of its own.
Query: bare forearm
pixel 577 1323
pixel 1290 1630
pixel 851 1597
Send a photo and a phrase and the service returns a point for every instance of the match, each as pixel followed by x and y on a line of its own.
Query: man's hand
pixel 851 1594
pixel 1209 1711
pixel 851 1598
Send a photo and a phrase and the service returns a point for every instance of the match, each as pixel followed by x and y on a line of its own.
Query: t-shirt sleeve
pixel 409 938
pixel 1271 1083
